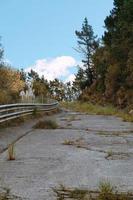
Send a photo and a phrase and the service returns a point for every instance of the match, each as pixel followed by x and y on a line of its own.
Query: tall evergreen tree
pixel 114 59
pixel 87 44
pixel 118 38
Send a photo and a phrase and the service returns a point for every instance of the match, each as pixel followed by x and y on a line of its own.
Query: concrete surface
pixel 104 151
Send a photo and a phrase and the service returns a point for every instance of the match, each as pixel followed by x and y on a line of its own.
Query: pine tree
pixel 80 79
pixel 87 44
pixel 118 40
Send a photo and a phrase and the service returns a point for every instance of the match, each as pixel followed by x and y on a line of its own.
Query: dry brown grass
pixel 90 108
pixel 78 143
pixel 46 124
pixel 20 120
pixel 11 152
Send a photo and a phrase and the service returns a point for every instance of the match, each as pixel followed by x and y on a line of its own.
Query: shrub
pixel 46 124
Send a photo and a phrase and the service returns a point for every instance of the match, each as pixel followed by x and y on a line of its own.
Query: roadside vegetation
pixel 107 72
pixel 104 80
pixel 89 108
pixel 20 120
pixel 105 192
pixel 46 124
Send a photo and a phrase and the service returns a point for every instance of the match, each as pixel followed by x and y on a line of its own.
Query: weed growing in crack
pixel 79 143
pixel 106 191
pixel 109 154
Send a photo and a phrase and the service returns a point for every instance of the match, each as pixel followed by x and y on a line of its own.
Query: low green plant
pixel 46 124
pixel 11 152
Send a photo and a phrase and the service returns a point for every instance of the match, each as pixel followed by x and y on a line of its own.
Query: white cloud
pixel 70 78
pixel 55 67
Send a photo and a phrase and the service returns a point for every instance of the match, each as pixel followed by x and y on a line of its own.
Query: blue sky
pixel 40 33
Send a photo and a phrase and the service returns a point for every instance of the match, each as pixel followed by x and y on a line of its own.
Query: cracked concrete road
pixel 101 149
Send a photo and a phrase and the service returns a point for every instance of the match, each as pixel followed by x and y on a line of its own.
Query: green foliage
pixel 100 61
pixel 118 40
pixel 107 72
pixel 112 61
pixel 57 89
pixel 87 44
pixel 80 80
pixel 39 85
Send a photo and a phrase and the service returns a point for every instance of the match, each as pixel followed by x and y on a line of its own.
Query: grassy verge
pixel 90 108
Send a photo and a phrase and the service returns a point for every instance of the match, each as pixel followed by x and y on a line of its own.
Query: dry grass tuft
pixel 46 124
pixel 78 143
pixel 68 142
pixel 5 194
pixel 11 152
